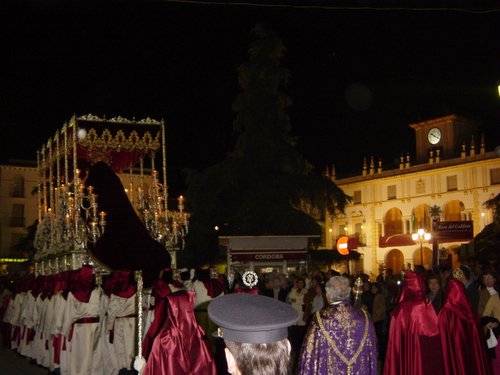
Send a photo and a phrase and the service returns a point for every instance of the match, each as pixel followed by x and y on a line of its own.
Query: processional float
pixel 86 216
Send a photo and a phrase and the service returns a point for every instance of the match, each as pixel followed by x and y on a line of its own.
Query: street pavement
pixel 12 363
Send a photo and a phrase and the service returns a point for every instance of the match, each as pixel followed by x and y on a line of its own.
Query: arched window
pixel 395 261
pixel 453 210
pixel 393 222
pixel 426 254
pixel 421 218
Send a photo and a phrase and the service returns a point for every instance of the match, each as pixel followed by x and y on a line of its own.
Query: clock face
pixel 434 136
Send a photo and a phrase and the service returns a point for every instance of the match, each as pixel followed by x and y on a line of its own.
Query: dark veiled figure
pixel 125 244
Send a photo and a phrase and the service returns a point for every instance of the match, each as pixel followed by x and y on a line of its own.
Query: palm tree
pixel 435 212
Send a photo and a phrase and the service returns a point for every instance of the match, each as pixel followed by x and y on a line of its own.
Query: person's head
pixel 337 289
pixel 445 272
pixel 375 288
pixel 315 281
pixel 318 290
pixel 258 359
pixel 275 282
pixel 366 286
pixel 419 269
pixel 434 284
pixel 255 331
pixel 489 279
pixel 467 274
pixel 300 283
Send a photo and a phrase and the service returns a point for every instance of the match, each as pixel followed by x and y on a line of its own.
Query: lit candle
pixel 102 223
pixel 181 204
pixel 156 216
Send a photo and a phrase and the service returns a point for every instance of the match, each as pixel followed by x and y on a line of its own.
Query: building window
pixel 342 230
pixel 17 218
pixel 391 192
pixel 356 198
pixel 359 232
pixel 495 176
pixel 17 187
pixel 451 182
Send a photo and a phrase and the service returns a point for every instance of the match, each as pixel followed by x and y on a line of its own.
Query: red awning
pixel 396 240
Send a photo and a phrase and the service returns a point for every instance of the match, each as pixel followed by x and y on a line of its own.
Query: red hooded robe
pixel 464 348
pixel 180 348
pixel 414 346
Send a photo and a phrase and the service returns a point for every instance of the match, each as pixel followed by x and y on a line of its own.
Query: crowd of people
pixel 417 322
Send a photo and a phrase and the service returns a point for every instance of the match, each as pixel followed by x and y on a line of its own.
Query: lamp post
pixel 421 235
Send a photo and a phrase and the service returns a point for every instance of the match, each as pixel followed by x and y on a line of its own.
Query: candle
pixel 102 223
pixel 181 204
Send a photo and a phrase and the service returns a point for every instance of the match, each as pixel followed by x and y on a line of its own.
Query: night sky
pixel 359 76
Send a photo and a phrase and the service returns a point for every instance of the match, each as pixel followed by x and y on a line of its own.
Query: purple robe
pixel 340 340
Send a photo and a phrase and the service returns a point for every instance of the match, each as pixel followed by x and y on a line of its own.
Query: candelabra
pixel 166 226
pixel 73 219
pixel 83 222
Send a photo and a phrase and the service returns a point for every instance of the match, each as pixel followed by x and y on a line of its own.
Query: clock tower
pixel 445 134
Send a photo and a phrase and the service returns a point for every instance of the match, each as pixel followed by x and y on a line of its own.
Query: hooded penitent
pixel 414 346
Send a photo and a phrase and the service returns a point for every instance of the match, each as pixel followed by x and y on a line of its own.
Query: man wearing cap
pixel 254 329
pixel 341 338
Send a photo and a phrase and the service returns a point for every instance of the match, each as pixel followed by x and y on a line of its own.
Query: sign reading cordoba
pixel 256 255
pixel 266 248
pixel 446 231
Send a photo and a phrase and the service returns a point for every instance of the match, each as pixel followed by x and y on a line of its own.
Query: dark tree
pixel 487 242
pixel 25 248
pixel 264 186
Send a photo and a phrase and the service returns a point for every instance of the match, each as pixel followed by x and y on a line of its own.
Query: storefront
pixel 264 254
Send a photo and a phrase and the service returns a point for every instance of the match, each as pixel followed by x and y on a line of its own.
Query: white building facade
pixel 388 206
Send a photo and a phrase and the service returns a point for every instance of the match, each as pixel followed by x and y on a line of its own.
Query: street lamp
pixel 421 236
